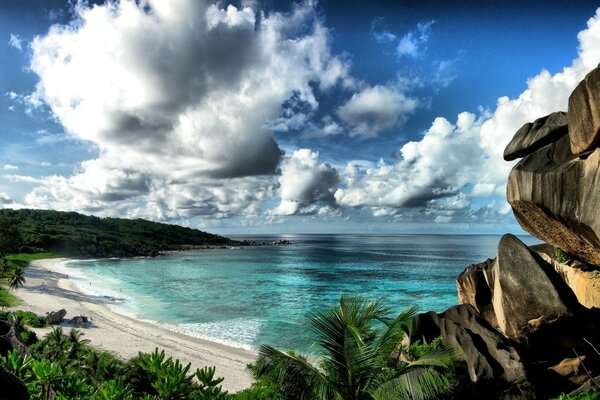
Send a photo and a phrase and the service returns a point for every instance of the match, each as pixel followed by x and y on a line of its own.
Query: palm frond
pixel 280 365
pixel 416 384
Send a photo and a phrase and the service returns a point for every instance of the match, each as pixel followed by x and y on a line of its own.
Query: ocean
pixel 248 296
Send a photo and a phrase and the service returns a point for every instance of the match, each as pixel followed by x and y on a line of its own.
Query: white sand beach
pixel 47 290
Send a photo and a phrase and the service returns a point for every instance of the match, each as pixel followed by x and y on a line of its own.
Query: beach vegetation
pixel 361 357
pixel 7 299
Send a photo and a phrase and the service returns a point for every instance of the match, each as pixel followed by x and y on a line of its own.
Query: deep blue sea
pixel 249 296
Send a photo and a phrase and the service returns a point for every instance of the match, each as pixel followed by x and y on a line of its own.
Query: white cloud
pixel 191 112
pixel 304 182
pixel 450 157
pixel 414 43
pixel 10 167
pixel 377 108
pixel 15 41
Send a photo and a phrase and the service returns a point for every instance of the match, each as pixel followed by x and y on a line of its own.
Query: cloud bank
pixel 455 163
pixel 176 94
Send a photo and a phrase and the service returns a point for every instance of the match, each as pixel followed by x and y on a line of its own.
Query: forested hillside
pixel 71 233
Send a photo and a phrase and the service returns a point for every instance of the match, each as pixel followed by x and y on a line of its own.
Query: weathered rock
pixel 571 368
pixel 11 387
pixel 488 355
pixel 527 289
pixel 534 136
pixel 584 114
pixel 518 292
pixel 79 321
pixel 554 197
pixel 584 283
pixel 56 317
pixel 9 340
pixel 475 285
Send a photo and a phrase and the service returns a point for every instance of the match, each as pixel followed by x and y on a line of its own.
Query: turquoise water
pixel 249 296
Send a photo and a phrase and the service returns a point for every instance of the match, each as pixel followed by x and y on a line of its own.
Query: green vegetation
pixel 361 359
pixel 358 360
pixel 7 299
pixel 70 233
pixel 591 394
pixel 561 256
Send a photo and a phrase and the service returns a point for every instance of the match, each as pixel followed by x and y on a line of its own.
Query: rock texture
pixel 584 114
pixel 474 286
pixel 56 317
pixel 488 355
pixel 555 196
pixel 584 283
pixel 9 339
pixel 516 289
pixel 533 136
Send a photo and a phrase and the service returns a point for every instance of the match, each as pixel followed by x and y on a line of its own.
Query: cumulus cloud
pixel 177 93
pixel 414 43
pixel 10 167
pixel 456 162
pixel 377 108
pixel 304 182
pixel 15 41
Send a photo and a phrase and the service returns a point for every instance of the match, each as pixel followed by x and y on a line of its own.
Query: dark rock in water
pixel 534 136
pixel 553 195
pixel 56 317
pixel 11 387
pixel 488 355
pixel 584 114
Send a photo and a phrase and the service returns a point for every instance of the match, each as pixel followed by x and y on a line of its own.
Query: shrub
pixel 561 256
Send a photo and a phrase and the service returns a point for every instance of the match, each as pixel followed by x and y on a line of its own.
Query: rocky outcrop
pixel 475 285
pixel 56 317
pixel 550 194
pixel 534 136
pixel 584 114
pixel 516 289
pixel 583 281
pixel 488 355
pixel 9 340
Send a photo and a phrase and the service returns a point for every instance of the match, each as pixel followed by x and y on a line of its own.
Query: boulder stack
pixel 531 317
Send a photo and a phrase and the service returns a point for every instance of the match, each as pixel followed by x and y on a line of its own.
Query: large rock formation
pixel 553 197
pixel 583 281
pixel 534 136
pixel 554 191
pixel 11 387
pixel 584 114
pixel 488 355
pixel 516 290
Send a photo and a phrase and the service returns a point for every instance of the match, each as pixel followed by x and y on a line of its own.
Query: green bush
pixel 418 350
pixel 561 256
pixel 30 319
pixel 592 394
pixel 7 299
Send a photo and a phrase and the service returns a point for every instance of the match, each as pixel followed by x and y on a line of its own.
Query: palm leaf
pixel 280 365
pixel 416 384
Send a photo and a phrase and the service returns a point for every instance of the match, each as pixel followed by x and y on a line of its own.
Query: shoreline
pixel 47 289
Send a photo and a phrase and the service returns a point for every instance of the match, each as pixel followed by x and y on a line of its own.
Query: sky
pixel 281 117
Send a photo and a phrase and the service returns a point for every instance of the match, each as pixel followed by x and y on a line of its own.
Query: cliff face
pixel 543 301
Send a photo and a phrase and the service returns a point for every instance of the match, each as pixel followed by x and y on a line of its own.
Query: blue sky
pixel 271 116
